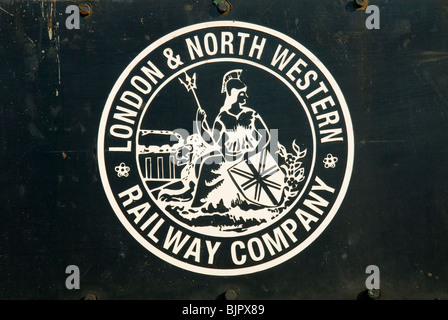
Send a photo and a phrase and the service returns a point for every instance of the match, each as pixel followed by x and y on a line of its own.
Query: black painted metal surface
pixel 55 82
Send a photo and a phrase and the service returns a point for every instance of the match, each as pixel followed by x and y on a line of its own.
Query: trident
pixel 190 85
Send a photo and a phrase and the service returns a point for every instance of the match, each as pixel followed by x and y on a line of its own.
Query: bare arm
pixel 263 131
pixel 202 126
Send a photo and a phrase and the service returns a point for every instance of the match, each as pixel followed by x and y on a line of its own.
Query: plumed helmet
pixel 231 80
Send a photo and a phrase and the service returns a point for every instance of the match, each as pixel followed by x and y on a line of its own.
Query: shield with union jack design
pixel 259 179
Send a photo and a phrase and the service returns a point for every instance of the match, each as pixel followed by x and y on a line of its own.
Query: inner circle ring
pixel 283 80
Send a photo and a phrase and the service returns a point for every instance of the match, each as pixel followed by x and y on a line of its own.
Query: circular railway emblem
pixel 225 148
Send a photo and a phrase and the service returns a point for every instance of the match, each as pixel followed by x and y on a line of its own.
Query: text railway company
pixel 173 240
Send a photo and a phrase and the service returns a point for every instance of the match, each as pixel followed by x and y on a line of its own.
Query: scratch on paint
pixel 50 19
pixel 425 76
pixel 267 8
pixel 380 141
pixel 286 20
pixel 58 58
pixel 7 12
pixel 30 39
pixel 433 56
pixel 50 22
pixel 52 32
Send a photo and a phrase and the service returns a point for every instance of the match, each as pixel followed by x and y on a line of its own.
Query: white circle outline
pixel 245 270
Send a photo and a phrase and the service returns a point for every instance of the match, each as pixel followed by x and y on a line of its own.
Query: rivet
pixel 362 4
pixel 85 9
pixel 90 296
pixel 223 7
pixel 374 293
pixel 231 294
